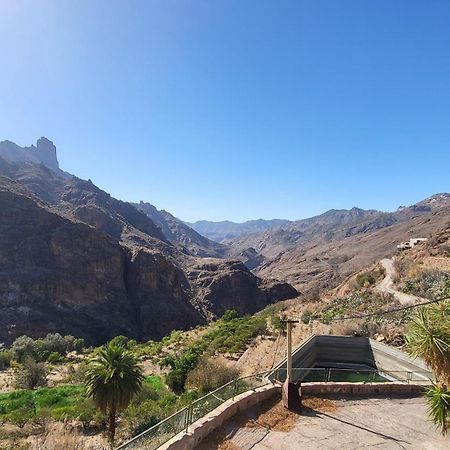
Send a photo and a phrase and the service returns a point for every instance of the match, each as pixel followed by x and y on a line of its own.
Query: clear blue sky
pixel 235 109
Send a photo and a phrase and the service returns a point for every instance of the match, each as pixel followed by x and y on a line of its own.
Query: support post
pixel 289 351
pixel 291 394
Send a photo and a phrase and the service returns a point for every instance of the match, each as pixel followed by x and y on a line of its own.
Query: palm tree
pixel 428 337
pixel 113 377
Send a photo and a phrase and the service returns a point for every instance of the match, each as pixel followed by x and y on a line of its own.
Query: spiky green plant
pixel 439 407
pixel 113 377
pixel 428 337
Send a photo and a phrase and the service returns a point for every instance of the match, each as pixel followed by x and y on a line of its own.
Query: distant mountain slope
pixel 221 231
pixel 321 264
pixel 176 231
pixel 325 227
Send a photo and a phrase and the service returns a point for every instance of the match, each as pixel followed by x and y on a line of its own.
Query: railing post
pixel 188 417
pixel 234 389
pixel 409 376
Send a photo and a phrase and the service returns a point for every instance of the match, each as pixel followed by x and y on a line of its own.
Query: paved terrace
pixel 331 423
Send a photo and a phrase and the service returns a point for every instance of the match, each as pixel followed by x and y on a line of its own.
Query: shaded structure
pixel 348 358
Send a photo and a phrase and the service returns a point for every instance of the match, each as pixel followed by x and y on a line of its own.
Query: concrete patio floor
pixel 333 423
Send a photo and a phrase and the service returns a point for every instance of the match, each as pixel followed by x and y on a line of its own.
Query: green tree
pixel 113 377
pixel 428 337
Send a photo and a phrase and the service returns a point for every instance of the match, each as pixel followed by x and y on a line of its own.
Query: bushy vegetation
pixel 229 334
pixel 30 374
pixel 370 278
pixel 5 359
pixel 192 372
pixel 353 305
pixel 210 374
pixel 53 346
pixel 62 402
pixel 432 284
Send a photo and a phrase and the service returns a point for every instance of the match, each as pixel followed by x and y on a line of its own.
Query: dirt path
pixel 387 284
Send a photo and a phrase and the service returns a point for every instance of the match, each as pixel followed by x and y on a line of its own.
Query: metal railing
pixel 330 374
pixel 160 433
pixel 163 431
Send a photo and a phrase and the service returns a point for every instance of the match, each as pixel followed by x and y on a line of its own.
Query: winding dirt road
pixel 387 284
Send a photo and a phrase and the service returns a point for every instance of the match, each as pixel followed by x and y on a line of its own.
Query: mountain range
pixel 226 230
pixel 75 260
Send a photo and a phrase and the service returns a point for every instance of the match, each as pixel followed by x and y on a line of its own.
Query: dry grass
pixel 56 438
pixel 64 436
pixel 276 418
pixel 319 404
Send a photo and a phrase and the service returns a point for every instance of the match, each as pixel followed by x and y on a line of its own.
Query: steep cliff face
pixel 57 275
pixel 67 277
pixel 222 285
pixel 160 294
pixel 44 152
pixel 75 260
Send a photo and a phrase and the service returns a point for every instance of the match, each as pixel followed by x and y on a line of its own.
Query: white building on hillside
pixel 410 244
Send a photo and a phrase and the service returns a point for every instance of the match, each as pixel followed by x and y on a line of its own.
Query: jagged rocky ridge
pixel 75 260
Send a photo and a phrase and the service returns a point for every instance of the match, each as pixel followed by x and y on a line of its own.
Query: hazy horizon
pixel 233 110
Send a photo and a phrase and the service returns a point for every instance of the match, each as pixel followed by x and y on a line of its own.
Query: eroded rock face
pixel 44 152
pixel 60 276
pixel 160 294
pixel 57 275
pixel 223 285
pixel 75 260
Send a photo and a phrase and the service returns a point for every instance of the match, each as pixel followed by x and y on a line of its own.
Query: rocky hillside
pixel 225 230
pixel 76 260
pixel 177 232
pixel 321 265
pixel 317 253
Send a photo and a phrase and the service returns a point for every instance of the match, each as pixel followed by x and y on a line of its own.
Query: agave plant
pixel 113 377
pixel 428 337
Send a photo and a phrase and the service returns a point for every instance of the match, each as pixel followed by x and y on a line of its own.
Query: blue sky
pixel 224 109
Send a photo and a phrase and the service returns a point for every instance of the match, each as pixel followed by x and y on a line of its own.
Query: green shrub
pixel 306 317
pixel 5 359
pixel 140 416
pixel 365 279
pixel 23 347
pixel 277 323
pixel 230 314
pixel 54 358
pixel 180 366
pixel 40 349
pixel 432 284
pixel 155 382
pixel 31 374
pixel 121 341
pixel 210 374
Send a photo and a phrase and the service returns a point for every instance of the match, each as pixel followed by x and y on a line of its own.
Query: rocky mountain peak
pixel 44 152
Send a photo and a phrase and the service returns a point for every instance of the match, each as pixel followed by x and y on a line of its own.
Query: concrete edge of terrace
pixel 203 427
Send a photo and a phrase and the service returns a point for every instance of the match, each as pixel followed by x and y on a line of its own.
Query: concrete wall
pixel 363 389
pixel 353 352
pixel 203 427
